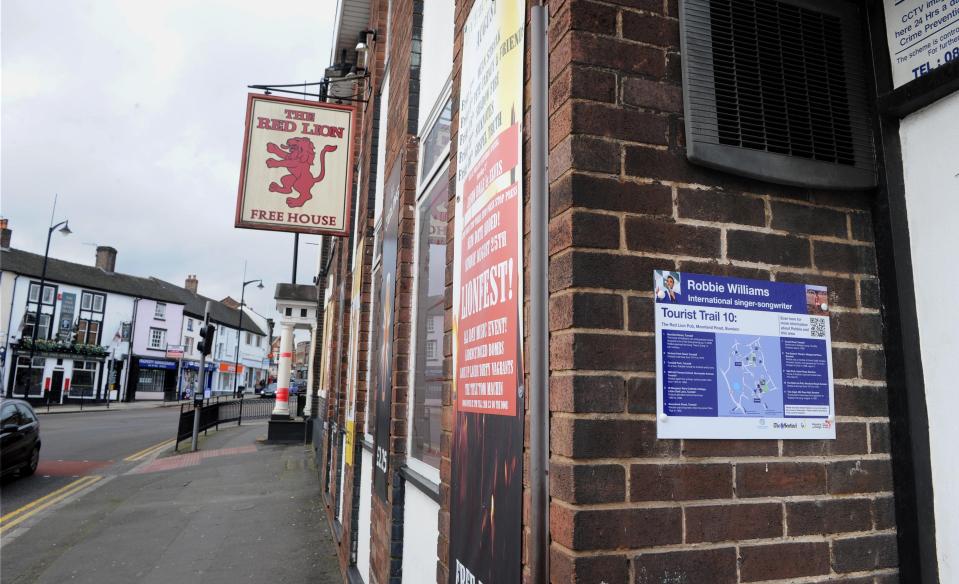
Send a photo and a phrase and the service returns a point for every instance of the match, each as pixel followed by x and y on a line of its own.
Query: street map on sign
pixel 751 389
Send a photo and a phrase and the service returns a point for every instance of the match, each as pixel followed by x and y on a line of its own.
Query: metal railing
pixel 222 410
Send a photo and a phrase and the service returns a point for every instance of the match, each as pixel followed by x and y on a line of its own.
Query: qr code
pixel 817 327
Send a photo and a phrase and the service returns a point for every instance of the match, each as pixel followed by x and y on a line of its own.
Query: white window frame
pixel 161 345
pixel 159 311
pixel 422 196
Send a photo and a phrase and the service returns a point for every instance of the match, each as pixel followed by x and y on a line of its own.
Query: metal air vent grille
pixel 776 90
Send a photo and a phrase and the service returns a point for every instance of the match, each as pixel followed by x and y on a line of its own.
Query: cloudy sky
pixel 132 112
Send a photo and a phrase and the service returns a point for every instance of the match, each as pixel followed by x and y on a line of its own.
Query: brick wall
pixel 625 506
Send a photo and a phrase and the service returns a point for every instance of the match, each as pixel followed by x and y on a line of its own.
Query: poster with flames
pixel 295 174
pixel 487 446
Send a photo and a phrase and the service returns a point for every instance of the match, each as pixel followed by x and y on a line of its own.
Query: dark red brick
pixel 879 438
pixel 845 363
pixel 782 561
pixel 567 569
pixel 850 439
pixel 616 54
pixel 862 228
pixel 649 234
pixel 583 153
pixel 601 270
pixel 873 364
pixel 709 205
pixel 617 438
pixel 626 528
pixel 609 121
pixel 767 248
pixel 867 402
pixel 653 95
pixel 851 327
pixel 715 566
pixel 583 229
pixel 592 17
pixel 856 554
pixel 780 479
pixel 869 294
pixel 587 393
pixel 717 269
pixel 588 483
pixel 842 291
pixel 641 395
pixel 806 219
pixel 651 29
pixel 610 194
pixel 641 318
pixel 860 476
pixel 599 352
pixel 841 257
pixel 578 82
pixel 728 448
pixel 884 512
pixel 835 516
pixel 586 310
pixel 733 522
pixel 680 482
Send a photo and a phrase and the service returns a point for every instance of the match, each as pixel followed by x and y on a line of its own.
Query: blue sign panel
pixel 742 358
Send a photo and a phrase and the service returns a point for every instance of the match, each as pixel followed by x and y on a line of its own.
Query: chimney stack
pixel 5 234
pixel 192 283
pixel 106 258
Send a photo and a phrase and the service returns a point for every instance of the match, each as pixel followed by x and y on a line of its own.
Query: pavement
pixel 236 511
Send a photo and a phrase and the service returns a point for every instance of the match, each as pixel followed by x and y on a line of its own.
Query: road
pixel 81 444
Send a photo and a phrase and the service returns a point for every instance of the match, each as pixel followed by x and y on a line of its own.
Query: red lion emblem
pixel 297 156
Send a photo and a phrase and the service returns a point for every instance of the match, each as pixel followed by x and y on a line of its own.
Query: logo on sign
pixel 297 156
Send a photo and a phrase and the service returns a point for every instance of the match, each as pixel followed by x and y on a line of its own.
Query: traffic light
pixel 205 346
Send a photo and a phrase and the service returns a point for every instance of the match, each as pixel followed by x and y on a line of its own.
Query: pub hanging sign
pixel 296 173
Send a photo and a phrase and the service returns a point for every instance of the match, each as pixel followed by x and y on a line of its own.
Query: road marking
pixel 30 509
pixel 148 451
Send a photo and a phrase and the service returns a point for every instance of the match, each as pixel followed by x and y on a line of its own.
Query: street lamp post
pixel 239 333
pixel 65 230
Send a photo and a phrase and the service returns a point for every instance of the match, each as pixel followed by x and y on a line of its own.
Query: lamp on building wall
pixel 239 333
pixel 366 37
pixel 64 230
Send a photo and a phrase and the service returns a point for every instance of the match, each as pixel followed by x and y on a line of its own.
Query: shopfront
pixel 153 379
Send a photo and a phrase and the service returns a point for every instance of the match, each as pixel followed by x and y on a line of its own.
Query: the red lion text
pixel 297 156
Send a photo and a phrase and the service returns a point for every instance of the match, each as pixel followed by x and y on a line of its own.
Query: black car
pixel 20 438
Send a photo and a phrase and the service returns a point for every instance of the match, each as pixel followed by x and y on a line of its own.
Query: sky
pixel 132 113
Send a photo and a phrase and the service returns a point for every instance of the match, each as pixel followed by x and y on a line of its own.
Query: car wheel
pixel 32 465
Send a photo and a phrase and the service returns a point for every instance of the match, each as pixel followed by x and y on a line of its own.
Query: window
pixel 43 332
pixel 157 339
pixel 160 312
pixel 151 380
pixel 258 339
pixel 88 332
pixel 92 301
pixel 288 311
pixel 27 415
pixel 249 339
pixel 188 346
pixel 49 293
pixel 427 402
pixel 10 415
pixel 22 377
pixel 83 380
pixel 303 312
pixel 189 324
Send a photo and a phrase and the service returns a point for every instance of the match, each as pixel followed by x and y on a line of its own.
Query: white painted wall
pixel 363 537
pixel 931 168
pixel 420 533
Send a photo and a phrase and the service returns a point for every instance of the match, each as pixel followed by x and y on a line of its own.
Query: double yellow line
pixel 14 518
pixel 148 451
